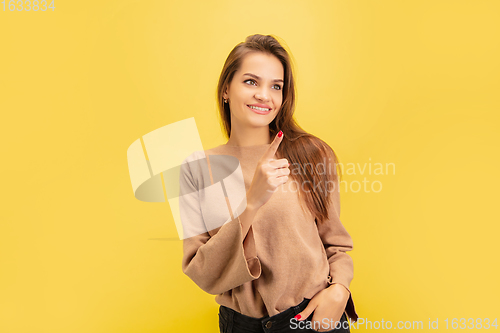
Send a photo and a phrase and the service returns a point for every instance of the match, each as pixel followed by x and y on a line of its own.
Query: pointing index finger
pixel 273 148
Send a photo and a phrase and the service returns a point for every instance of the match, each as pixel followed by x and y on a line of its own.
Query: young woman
pixel 280 265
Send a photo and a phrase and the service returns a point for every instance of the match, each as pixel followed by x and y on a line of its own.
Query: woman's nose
pixel 262 94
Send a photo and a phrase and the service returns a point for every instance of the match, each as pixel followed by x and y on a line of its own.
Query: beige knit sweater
pixel 295 257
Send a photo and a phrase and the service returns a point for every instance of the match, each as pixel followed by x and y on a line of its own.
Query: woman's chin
pixel 259 123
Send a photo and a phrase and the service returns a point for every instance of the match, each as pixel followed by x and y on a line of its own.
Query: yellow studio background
pixel 412 84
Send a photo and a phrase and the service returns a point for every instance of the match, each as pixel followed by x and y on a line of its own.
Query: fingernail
pixel 280 133
pixel 297 316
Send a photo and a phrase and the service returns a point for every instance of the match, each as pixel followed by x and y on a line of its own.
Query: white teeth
pixel 257 108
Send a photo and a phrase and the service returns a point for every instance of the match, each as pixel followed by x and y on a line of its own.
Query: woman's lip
pixel 258 111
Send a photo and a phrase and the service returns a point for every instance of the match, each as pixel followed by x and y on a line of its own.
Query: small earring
pixel 225 100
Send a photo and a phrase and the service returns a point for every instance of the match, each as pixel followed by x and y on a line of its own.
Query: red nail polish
pixel 280 133
pixel 298 316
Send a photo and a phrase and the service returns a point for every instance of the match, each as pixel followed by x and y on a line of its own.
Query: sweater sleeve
pixel 217 261
pixel 337 242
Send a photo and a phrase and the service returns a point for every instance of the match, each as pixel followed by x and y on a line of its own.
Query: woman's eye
pixel 253 81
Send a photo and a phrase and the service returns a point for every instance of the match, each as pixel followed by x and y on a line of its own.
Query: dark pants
pixel 231 321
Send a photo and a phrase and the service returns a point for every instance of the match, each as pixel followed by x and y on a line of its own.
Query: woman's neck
pixel 249 136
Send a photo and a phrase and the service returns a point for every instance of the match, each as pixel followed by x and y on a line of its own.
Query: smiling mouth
pixel 259 110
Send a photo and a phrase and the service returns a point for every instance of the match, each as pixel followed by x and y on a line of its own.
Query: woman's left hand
pixel 329 303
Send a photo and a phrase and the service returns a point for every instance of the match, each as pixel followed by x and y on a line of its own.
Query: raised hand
pixel 269 174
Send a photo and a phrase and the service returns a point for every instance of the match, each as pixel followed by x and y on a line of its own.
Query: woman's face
pixel 258 83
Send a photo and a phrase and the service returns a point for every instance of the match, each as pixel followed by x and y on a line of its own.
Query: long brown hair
pixel 298 147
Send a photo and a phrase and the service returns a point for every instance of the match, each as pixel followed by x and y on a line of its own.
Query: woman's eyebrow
pixel 258 77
